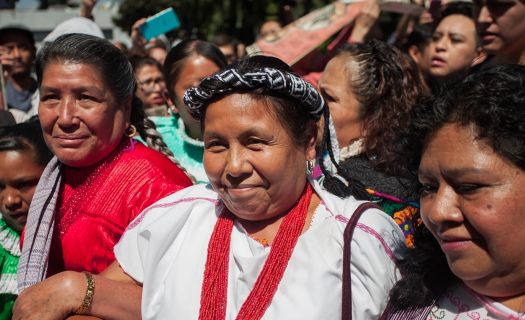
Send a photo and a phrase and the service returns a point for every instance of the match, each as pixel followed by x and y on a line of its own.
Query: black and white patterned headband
pixel 269 79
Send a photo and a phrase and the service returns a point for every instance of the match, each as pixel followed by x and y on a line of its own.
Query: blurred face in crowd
pixel 17 53
pixel 19 174
pixel 454 46
pixel 151 85
pixel 501 25
pixel 335 86
pixel 472 202
pixel 195 69
pixel 270 30
pixel 251 159
pixel 81 119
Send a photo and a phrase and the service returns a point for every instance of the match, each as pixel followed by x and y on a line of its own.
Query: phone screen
pixel 162 22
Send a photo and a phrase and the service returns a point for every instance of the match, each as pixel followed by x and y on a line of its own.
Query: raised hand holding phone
pixel 160 23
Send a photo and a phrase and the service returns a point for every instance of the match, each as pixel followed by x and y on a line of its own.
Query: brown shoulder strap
pixel 347 253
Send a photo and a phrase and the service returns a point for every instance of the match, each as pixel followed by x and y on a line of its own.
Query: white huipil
pixel 165 249
pixel 459 302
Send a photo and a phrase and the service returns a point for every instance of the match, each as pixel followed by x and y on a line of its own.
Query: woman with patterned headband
pixel 263 240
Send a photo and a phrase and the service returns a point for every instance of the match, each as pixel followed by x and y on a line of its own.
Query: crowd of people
pixel 379 178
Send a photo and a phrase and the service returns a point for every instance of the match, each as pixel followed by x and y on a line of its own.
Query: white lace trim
pixel 353 149
pixel 319 214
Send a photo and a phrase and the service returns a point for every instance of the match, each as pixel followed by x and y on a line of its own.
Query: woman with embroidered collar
pixel 263 240
pixel 100 178
pixel 371 90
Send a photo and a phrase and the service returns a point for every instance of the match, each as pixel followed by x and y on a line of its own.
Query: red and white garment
pixel 165 249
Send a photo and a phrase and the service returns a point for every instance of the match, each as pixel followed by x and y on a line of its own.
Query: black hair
pixel 137 62
pixel 113 66
pixel 491 101
pixel 26 137
pixel 419 37
pixel 116 72
pixel 22 31
pixel 462 8
pixel 179 53
pixel 458 7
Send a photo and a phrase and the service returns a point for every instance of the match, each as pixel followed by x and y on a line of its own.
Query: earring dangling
pixel 310 164
pixel 131 131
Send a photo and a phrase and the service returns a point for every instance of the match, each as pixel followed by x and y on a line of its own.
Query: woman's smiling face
pixel 251 159
pixel 81 119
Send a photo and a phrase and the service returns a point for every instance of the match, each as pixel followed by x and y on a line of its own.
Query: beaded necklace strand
pixel 215 283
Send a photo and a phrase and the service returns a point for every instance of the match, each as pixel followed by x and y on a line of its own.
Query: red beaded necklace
pixel 215 284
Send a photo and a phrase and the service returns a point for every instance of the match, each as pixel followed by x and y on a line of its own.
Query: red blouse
pixel 96 204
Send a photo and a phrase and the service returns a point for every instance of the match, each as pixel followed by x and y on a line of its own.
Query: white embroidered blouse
pixel 165 248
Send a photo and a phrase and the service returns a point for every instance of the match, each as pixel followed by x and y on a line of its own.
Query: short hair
pixel 462 8
pixel 458 7
pixel 26 137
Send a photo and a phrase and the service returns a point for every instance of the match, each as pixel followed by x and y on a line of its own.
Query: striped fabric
pixel 39 228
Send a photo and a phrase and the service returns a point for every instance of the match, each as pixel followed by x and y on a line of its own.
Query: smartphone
pixel 162 22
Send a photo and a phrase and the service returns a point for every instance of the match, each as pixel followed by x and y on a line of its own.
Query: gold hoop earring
pixel 131 131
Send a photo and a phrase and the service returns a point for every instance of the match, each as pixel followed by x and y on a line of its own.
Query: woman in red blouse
pixel 100 178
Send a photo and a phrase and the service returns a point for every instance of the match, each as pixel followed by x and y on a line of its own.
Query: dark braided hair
pixel 341 184
pixel 116 72
pixel 148 131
